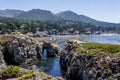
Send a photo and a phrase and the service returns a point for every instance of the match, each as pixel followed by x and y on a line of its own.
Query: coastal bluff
pixel 90 61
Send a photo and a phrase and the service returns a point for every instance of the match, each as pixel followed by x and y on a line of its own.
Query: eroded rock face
pixel 87 67
pixel 52 51
pixel 1 55
pixel 17 48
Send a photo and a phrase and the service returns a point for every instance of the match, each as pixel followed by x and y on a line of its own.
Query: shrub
pixel 96 48
pixel 27 76
pixel 10 72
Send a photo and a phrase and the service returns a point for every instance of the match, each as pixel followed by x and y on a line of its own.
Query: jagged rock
pixel 88 67
pixel 52 51
pixel 17 48
pixel 1 56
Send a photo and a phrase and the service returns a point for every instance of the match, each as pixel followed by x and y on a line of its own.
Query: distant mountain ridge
pixel 44 15
pixel 10 13
pixel 69 15
pixel 38 14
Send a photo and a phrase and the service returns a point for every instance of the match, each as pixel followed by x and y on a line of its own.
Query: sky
pixel 103 10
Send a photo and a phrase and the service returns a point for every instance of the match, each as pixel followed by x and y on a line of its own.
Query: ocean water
pixel 51 66
pixel 104 38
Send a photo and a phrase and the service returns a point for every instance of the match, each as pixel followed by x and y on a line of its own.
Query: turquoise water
pixel 45 53
pixel 51 66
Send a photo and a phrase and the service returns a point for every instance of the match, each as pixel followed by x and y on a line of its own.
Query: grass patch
pixel 45 76
pixel 27 76
pixel 96 48
pixel 10 72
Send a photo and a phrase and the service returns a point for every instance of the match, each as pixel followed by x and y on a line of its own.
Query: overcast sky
pixel 104 10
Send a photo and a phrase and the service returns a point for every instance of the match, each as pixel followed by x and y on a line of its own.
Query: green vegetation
pixel 23 74
pixel 27 76
pixel 96 48
pixel 10 72
pixel 52 27
pixel 45 76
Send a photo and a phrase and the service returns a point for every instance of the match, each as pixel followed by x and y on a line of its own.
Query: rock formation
pixel 82 66
pixel 16 48
pixel 52 51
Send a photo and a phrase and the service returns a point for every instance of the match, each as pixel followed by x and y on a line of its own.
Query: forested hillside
pixel 45 15
pixel 53 27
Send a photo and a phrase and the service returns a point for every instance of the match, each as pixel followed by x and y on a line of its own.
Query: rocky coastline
pixel 90 61
pixel 78 60
pixel 17 49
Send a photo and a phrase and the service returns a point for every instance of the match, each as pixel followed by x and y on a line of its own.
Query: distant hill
pixel 38 14
pixel 69 15
pixel 44 15
pixel 10 13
